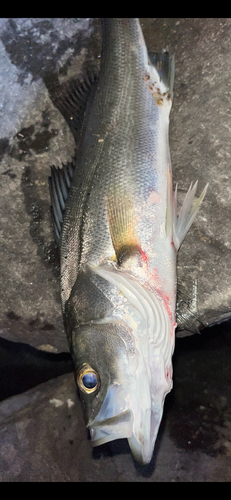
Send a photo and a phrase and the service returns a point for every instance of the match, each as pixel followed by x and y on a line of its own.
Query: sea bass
pixel 119 238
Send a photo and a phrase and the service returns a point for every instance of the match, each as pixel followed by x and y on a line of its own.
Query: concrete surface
pixel 194 443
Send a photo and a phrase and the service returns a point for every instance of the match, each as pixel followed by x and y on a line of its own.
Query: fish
pixel 118 228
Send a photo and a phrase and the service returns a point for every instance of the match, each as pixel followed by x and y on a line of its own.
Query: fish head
pixel 122 397
pixel 101 354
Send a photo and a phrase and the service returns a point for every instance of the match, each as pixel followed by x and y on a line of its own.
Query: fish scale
pixel 119 240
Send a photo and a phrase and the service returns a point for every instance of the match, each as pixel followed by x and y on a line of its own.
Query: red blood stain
pixel 168 373
pixel 143 255
pixel 154 279
pixel 166 302
pixel 173 245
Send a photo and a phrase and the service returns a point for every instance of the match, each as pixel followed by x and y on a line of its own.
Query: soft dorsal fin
pixel 71 98
pixel 59 185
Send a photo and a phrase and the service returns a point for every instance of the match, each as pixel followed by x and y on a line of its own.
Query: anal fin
pixel 188 212
pixel 187 316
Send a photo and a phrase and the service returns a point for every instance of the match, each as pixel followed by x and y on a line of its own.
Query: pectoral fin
pixel 122 223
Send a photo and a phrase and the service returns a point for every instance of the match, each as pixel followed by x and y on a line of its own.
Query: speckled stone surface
pixel 33 136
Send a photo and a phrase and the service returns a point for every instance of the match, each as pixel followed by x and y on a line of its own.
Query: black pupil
pixel 89 380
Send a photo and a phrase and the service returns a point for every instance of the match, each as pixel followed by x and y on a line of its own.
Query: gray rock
pixel 33 136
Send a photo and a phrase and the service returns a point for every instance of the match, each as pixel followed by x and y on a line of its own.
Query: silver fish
pixel 119 239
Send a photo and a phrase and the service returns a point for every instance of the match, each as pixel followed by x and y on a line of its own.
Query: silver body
pixel 119 243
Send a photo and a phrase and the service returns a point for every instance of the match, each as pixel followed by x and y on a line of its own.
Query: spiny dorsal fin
pixel 59 185
pixel 71 98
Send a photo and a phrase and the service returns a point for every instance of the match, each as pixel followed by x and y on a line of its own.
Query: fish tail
pixel 164 64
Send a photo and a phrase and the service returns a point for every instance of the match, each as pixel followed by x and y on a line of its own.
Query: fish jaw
pixel 137 422
pixel 147 418
pixel 142 446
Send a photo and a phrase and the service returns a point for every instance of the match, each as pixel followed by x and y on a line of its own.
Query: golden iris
pixel 87 379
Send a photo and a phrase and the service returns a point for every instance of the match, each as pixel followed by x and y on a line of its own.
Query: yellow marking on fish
pixel 122 222
pixel 156 92
pixel 159 98
pixel 113 257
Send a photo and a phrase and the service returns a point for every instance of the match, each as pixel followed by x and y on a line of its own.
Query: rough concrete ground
pixel 42 432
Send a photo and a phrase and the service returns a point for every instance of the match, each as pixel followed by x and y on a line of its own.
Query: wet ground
pixel 43 436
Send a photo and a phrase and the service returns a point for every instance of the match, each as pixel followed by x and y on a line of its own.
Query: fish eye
pixel 87 379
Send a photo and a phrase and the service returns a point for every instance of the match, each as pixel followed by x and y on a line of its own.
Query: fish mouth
pixel 114 420
pixel 122 426
pixel 117 427
pixel 139 426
